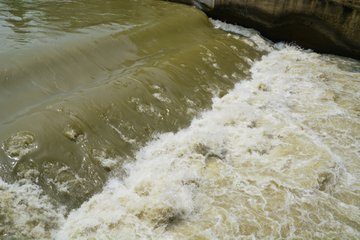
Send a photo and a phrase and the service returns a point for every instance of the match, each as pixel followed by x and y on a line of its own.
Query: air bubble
pixel 19 144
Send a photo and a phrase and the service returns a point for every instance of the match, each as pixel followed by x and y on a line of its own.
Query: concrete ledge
pixel 326 26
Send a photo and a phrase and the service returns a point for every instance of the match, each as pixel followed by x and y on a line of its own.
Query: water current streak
pixel 117 125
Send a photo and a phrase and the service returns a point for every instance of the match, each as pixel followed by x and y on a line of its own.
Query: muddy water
pixel 145 119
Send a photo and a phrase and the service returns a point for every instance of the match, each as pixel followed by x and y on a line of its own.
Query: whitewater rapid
pixel 277 157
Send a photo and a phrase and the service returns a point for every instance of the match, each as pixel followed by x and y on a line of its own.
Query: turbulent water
pixel 127 119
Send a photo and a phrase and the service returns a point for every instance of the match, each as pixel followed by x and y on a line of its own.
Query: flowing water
pixel 142 119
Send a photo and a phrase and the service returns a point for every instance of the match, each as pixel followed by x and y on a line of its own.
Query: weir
pixel 145 119
pixel 329 26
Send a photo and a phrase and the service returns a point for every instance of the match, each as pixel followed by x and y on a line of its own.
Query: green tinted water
pixel 101 108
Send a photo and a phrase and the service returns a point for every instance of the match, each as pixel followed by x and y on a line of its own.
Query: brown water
pixel 120 112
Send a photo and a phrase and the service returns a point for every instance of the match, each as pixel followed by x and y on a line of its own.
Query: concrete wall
pixel 327 26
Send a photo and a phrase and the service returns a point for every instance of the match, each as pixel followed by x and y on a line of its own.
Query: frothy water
pixel 277 157
pixel 26 212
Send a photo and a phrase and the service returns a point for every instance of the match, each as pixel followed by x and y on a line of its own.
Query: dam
pixel 146 119
pixel 327 26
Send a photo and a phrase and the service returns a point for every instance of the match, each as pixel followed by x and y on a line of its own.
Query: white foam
pixel 26 213
pixel 19 144
pixel 274 158
pixel 162 98
pixel 252 34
